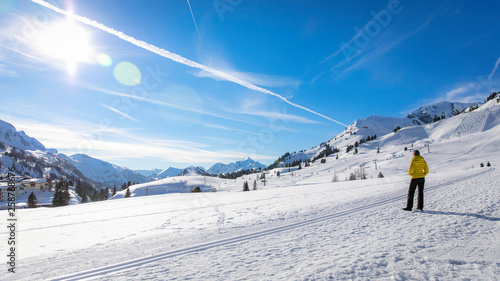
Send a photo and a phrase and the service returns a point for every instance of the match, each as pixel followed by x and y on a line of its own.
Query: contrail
pixel 195 25
pixel 494 69
pixel 119 112
pixel 175 57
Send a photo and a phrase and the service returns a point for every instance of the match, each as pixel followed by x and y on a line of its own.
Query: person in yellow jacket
pixel 418 170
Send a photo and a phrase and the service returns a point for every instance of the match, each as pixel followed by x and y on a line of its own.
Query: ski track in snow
pixel 126 266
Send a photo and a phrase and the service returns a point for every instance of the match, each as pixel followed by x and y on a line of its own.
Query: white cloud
pixel 468 92
pixel 452 94
pixel 246 110
pixel 113 144
pixel 226 128
pixel 6 72
pixel 282 116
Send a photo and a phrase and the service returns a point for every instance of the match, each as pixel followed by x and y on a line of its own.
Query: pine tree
pixel 56 200
pixel 61 196
pixel 103 195
pixel 245 186
pixel 127 194
pixel 254 185
pixel 114 190
pixel 79 188
pixel 81 191
pixel 66 196
pixel 32 200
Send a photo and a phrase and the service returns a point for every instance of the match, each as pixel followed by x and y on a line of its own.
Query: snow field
pixel 456 240
pixel 309 236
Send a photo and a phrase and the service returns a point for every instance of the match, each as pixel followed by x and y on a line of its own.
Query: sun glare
pixel 66 41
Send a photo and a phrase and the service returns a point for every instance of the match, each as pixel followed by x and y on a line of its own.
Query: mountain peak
pixel 194 171
pixel 105 172
pixel 247 164
pixel 426 114
pixel 10 136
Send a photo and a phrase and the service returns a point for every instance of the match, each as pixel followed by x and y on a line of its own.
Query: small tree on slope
pixel 32 201
pixel 127 194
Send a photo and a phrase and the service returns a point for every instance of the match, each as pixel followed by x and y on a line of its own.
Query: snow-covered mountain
pixel 169 172
pixel 10 136
pixel 31 158
pixel 105 172
pixel 160 174
pixel 216 169
pixel 149 173
pixel 193 171
pixel 379 126
pixel 426 114
pixel 247 164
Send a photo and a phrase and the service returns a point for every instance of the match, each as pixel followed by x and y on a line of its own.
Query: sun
pixel 65 41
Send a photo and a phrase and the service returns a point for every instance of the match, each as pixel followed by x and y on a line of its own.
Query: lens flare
pixel 104 60
pixel 127 74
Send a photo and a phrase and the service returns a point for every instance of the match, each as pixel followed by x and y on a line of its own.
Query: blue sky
pixel 293 72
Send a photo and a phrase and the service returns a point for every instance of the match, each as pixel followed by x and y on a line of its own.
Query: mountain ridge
pixel 107 173
pixel 247 164
pixel 375 125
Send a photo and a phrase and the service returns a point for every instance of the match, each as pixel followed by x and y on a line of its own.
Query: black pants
pixel 411 192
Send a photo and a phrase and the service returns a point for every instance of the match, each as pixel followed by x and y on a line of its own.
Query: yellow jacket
pixel 418 167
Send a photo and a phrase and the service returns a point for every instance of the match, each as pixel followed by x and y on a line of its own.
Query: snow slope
pixel 33 159
pixel 10 136
pixel 426 114
pixel 45 197
pixel 169 172
pixel 105 172
pixel 300 226
pixel 381 125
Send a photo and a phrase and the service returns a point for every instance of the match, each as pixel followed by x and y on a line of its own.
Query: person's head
pixel 416 153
